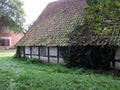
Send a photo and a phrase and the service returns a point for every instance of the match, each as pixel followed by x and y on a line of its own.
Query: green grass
pixel 16 74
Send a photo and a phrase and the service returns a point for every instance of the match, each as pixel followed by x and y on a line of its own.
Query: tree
pixel 102 12
pixel 12 14
pixel 100 15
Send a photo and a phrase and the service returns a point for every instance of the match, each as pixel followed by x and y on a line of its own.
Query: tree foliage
pixel 12 14
pixel 101 12
pixel 100 15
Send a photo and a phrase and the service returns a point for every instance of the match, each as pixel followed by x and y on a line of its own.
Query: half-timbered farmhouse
pixel 54 28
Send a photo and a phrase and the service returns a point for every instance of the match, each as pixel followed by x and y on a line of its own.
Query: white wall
pixel 34 50
pixel 53 51
pixel 27 50
pixel 35 53
pixel 117 54
pixel 117 65
pixel 52 59
pixel 53 54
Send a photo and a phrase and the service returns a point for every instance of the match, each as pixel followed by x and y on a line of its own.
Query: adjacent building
pixel 8 38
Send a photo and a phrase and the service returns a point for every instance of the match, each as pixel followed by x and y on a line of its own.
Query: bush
pixel 92 57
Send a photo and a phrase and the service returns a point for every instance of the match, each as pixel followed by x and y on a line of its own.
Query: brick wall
pixel 16 38
pixel 13 38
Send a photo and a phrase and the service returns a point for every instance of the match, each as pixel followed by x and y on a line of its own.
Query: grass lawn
pixel 18 74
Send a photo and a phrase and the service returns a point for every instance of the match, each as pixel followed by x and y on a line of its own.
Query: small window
pixel 4 42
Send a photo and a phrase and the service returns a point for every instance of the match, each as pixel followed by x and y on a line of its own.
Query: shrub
pixel 92 57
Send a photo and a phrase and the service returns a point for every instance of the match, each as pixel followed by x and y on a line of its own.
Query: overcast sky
pixel 33 8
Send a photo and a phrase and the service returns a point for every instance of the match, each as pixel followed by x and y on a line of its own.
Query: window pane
pixel 4 42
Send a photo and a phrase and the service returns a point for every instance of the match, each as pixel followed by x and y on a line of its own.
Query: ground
pixel 19 74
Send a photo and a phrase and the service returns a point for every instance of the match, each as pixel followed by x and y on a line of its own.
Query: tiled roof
pixel 88 37
pixel 56 23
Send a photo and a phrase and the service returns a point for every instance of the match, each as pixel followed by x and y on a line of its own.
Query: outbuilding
pixel 56 28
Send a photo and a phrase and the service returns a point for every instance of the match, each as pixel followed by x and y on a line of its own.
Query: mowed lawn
pixel 16 74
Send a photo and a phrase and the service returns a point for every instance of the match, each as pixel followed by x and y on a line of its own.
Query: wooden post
pixel 24 52
pixel 113 62
pixel 30 52
pixel 48 55
pixel 18 53
pixel 57 54
pixel 39 52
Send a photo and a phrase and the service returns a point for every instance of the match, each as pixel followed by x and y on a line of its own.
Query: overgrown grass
pixel 18 74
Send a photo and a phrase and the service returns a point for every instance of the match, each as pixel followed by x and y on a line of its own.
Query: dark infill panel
pixel 30 52
pixel 39 52
pixel 58 54
pixel 48 55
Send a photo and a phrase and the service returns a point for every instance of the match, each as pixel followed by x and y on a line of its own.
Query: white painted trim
pixel 5 37
pixel 10 42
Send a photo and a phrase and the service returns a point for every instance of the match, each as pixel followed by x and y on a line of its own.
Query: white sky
pixel 33 8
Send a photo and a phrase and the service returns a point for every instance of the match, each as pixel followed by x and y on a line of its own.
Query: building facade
pixel 8 39
pixel 56 27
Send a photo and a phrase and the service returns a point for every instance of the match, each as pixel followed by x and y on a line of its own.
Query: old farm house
pixel 8 39
pixel 53 30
